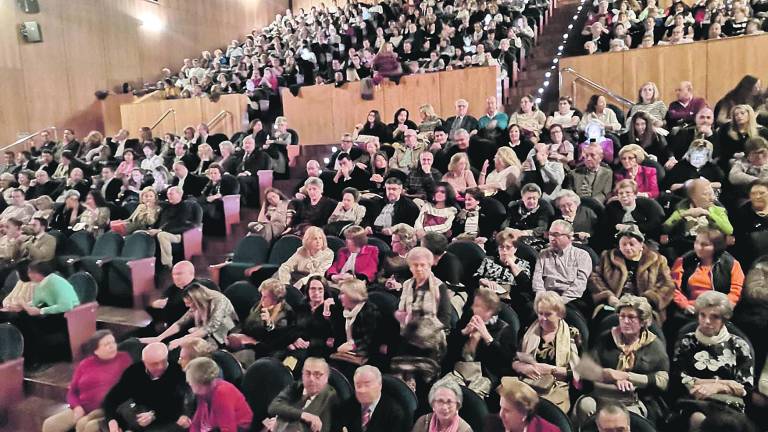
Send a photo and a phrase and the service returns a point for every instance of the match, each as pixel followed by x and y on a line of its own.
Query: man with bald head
pixel 175 218
pixel 149 395
pixel 170 307
pixel 310 402
pixel 682 111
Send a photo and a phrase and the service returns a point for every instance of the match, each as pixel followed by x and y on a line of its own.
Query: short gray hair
pixel 71 193
pixel 461 132
pixel 567 226
pixel 715 299
pixel 419 253
pixel 202 371
pixel 567 193
pixel 531 187
pixel 373 370
pixel 449 385
pixel 314 181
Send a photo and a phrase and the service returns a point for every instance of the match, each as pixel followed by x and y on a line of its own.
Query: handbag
pixel 119 227
pixel 542 384
pixel 349 357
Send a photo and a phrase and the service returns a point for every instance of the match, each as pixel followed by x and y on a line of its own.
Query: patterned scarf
pixel 453 427
pixel 628 353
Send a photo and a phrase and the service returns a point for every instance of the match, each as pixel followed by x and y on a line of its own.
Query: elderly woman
pixel 631 158
pixel 277 147
pixel 649 101
pixel 506 173
pixel 459 176
pixel 715 367
pixel 192 348
pixel 355 331
pixel 629 209
pixel 509 275
pixel 518 409
pixel 393 268
pixel 633 363
pixel 632 268
pixel 445 398
pixel 641 132
pixel 549 350
pixel 95 216
pixel 348 211
pixel 313 257
pixel 697 162
pixel 529 118
pixel 67 215
pixel 438 212
pixel 207 157
pixel 271 221
pixel 269 327
pixel 564 115
pixel 220 405
pixel 598 111
pixel 94 376
pixel 314 210
pixel 357 259
pixel 699 210
pixel 424 313
pixel 583 218
pixel 481 346
pixel 751 221
pixel 146 213
pixel 210 316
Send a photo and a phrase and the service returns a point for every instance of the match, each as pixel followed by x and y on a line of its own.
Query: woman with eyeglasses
pixel 445 399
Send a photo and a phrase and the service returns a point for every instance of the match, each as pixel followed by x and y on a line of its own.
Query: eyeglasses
pixel 444 402
pixel 557 234
pixel 628 317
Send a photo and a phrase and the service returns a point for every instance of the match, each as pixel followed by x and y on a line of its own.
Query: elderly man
pixel 613 418
pixel 175 218
pixel 406 156
pixel 313 169
pixel 462 119
pixel 397 209
pixel 19 208
pixel 371 410
pixel 562 267
pixel 460 145
pixel 149 395
pixel 346 145
pixel 681 112
pixel 591 179
pixel 493 118
pixel 190 184
pixel 170 306
pixel 704 129
pixel 45 186
pixel 309 404
pixel 247 170
pixel 40 246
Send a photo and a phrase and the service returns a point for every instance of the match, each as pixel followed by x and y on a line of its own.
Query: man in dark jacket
pixel 175 218
pixel 247 170
pixel 397 209
pixel 190 184
pixel 149 395
pixel 371 410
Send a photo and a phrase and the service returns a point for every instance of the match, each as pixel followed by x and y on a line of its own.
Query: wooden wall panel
pixel 347 110
pixel 714 67
pixel 91 45
pixel 235 105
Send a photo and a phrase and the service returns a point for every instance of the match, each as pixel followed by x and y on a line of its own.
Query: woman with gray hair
pixel 67 215
pixel 715 368
pixel 633 366
pixel 445 398
pixel 583 218
pixel 314 210
pixel 220 405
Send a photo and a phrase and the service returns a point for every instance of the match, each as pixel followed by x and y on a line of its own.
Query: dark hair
pixel 90 346
pixel 742 93
pixel 726 420
pixel 715 236
pixel 436 243
pixel 450 194
pixel 376 116
pixel 316 277
pixel 397 114
pixel 129 151
pixel 14 221
pixel 98 198
pixel 42 267
pixel 648 135
pixel 46 151
pixel 592 104
pixel 43 221
pixel 759 182
pixel 393 180
pixel 350 190
pixel 343 155
pixel 475 192
pixel 65 154
pixel 27 154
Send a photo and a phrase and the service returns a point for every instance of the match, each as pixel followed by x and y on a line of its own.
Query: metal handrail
pixel 162 117
pixel 217 118
pixel 28 137
pixel 597 86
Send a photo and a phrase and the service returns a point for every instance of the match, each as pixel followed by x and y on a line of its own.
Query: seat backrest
pixel 283 249
pixel 251 249
pixel 574 318
pixel 402 394
pixel 80 243
pixel 509 316
pixel 473 409
pixel 108 244
pixel 637 423
pixel 341 384
pixel 133 347
pixel 551 413
pixel 197 212
pixel 381 245
pixel 85 286
pixel 230 367
pixel 61 241
pixel 11 343
pixel 138 245
pixel 264 380
pixel 294 297
pixel 243 295
pixel 471 255
pixel 10 282
pixel 335 243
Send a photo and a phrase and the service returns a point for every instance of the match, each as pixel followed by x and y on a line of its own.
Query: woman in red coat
pixel 518 409
pixel 631 157
pixel 357 259
pixel 220 405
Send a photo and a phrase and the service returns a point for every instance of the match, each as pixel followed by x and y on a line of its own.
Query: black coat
pixel 176 218
pixel 257 160
pixel 354 153
pixel 112 191
pixel 193 185
pixel 389 416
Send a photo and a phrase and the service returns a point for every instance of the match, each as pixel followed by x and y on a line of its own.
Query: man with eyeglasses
pixel 308 404
pixel 562 267
pixel 613 418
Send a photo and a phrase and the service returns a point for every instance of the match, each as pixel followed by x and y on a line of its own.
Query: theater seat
pixel 81 321
pixel 107 247
pixel 262 382
pixel 231 205
pixel 243 295
pixel 78 245
pixel 637 423
pixel 402 394
pixel 131 276
pixel 250 251
pixel 551 413
pixel 473 409
pixel 334 243
pixel 231 370
pixel 471 256
pixel 509 316
pixel 11 368
pixel 341 384
pixel 281 251
pixel 192 239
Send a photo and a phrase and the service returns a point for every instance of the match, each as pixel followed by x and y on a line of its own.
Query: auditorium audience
pixel 445 399
pixel 310 403
pixel 220 405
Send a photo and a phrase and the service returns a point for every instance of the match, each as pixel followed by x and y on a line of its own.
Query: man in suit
pixel 462 119
pixel 68 143
pixel 45 186
pixel 190 184
pixel 119 143
pixel 247 170
pixel 24 162
pixel 47 163
pixel 397 209
pixel 40 246
pixel 613 417
pixel 591 179
pixel 175 218
pixel 310 403
pixel 371 410
pixel 110 186
pixel 180 154
pixel 347 145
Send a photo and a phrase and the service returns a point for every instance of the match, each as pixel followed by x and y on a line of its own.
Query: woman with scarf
pixel 354 331
pixel 697 162
pixel 549 351
pixel 713 369
pixel 632 363
pixel 220 405
pixel 314 319
pixel 445 399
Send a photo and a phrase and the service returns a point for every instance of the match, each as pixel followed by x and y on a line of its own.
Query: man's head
pixel 367 385
pixel 17 197
pixel 38 225
pixel 440 136
pixel 313 168
pixel 46 156
pixel 38 271
pixel 684 91
pixel 107 173
pixel 461 138
pixel 346 142
pixel 41 176
pixel 314 375
pixel 180 170
pixel 174 195
pixel 13 227
pixel 490 105
pixel 183 273
pixel 410 138
pixel 345 162
pixel 705 117
pixel 613 418
pixel 462 106
pixel 155 359
pixel 393 188
pixel 249 144
pixel 593 155
pixel 560 235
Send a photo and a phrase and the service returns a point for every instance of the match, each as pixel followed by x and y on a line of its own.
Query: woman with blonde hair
pixel 313 257
pixel 207 157
pixel 429 119
pixel 146 213
pixel 631 158
pixel 459 175
pixel 549 351
pixel 506 172
pixel 734 135
pixel 649 101
pixel 210 316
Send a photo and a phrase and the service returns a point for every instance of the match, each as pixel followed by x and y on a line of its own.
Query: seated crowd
pixel 565 264
pixel 626 24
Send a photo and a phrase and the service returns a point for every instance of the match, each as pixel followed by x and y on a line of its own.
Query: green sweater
pixel 716 216
pixel 55 295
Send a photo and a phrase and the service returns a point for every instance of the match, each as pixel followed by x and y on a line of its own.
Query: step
pixel 29 414
pixel 50 383
pixel 121 321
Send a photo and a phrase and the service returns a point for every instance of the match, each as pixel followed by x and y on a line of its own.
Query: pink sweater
pixel 93 378
pixel 224 408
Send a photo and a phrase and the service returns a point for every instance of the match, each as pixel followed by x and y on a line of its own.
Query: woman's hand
pixel 625 386
pixel 393 284
pixel 346 347
pixel 401 316
pixel 77 413
pixel 300 344
pixel 613 375
pixel 704 391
